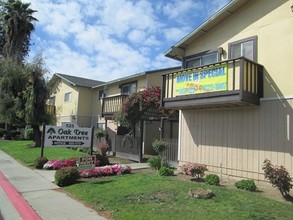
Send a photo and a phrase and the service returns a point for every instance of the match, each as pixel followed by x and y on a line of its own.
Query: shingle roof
pixel 78 81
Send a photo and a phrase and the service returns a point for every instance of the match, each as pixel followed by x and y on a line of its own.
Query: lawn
pixel 24 153
pixel 145 195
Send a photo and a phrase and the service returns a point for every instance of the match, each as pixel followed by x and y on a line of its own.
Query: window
pixel 51 100
pixel 201 59
pixel 67 97
pixel 128 89
pixel 243 48
pixel 101 94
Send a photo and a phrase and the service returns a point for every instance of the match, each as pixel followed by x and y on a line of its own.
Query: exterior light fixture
pixel 292 8
pixel 220 50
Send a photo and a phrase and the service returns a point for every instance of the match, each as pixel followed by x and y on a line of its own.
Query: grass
pixel 24 153
pixel 148 196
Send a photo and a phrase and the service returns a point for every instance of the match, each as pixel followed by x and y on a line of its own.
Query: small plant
pixel 278 176
pixel 100 133
pixel 212 179
pixel 39 162
pixel 166 171
pixel 29 134
pixel 103 148
pixel 66 176
pixel 159 146
pixel 155 162
pixel 194 169
pixel 104 160
pixel 248 185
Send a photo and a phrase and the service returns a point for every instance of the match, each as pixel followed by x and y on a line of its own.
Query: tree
pixel 12 103
pixel 17 25
pixel 36 95
pixel 23 95
pixel 140 104
pixel 136 105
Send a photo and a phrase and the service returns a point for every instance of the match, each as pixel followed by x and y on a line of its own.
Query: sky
pixel 110 39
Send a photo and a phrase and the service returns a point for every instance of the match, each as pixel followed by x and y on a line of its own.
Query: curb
pixel 22 207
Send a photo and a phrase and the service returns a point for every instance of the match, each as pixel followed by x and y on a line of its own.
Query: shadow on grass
pixel 94 181
pixel 288 198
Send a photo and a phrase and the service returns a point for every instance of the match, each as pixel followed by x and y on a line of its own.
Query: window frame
pixel 128 84
pixel 69 97
pixel 200 56
pixel 102 94
pixel 254 51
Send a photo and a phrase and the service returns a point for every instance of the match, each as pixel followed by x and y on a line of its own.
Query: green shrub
pixel 212 179
pixel 246 185
pixel 14 133
pixel 155 162
pixel 29 134
pixel 159 146
pixel 66 176
pixel 100 133
pixel 278 176
pixel 2 132
pixel 39 162
pixel 104 159
pixel 166 171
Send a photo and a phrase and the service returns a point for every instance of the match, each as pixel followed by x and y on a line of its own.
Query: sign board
pixel 85 163
pixel 205 80
pixel 68 135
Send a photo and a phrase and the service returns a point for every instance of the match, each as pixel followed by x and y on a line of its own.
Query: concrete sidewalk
pixel 38 192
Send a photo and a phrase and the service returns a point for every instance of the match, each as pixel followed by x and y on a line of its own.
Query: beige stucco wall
pixel 79 109
pixel 271 21
pixel 64 110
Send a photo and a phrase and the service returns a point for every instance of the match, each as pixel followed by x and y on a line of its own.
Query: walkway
pixel 31 195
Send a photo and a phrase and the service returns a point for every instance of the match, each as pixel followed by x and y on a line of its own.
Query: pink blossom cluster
pixel 116 169
pixel 59 163
pixel 194 169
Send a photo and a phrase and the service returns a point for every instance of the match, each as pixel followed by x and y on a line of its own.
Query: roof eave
pixel 177 51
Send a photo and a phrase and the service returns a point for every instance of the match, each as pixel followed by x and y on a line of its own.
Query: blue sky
pixel 110 39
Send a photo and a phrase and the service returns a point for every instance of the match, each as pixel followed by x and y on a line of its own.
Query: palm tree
pixel 17 22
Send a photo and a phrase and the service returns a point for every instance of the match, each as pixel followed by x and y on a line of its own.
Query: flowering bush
pixel 103 148
pixel 135 105
pixel 278 176
pixel 57 164
pixel 115 169
pixel 194 169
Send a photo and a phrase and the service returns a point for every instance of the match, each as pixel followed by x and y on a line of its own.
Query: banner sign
pixel 68 135
pixel 85 163
pixel 198 81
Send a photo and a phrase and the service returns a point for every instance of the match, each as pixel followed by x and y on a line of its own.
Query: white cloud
pixel 113 38
pixel 136 36
pixel 177 9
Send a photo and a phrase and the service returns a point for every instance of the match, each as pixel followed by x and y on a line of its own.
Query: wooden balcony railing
pixel 230 83
pixel 112 104
pixel 51 109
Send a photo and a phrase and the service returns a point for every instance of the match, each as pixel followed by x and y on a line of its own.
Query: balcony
pixel 112 104
pixel 227 84
pixel 51 109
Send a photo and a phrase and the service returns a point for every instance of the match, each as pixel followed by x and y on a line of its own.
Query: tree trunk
pixel 37 136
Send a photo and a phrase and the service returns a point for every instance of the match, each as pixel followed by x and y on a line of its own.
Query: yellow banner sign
pixel 198 81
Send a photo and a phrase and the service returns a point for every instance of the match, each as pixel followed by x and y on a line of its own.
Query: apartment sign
pixel 67 135
pixel 196 81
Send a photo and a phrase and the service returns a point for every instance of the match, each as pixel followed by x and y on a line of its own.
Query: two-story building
pixel 111 95
pixel 73 100
pixel 235 92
